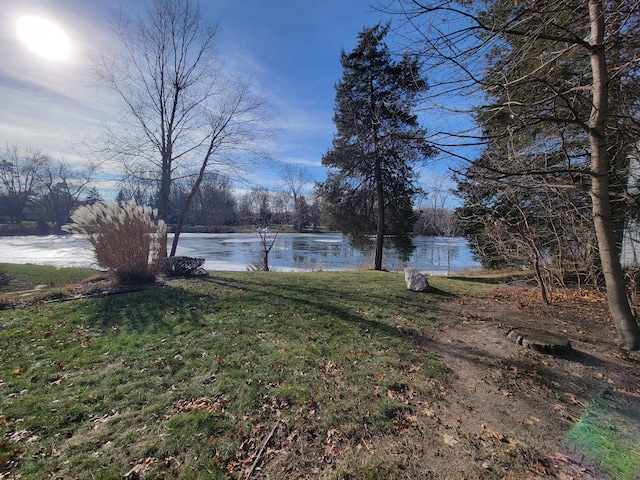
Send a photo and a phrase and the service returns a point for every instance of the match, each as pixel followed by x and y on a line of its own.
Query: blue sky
pixel 290 49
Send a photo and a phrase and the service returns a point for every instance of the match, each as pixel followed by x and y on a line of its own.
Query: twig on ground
pixel 264 445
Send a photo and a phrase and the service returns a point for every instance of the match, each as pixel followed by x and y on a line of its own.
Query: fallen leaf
pixel 495 434
pixel 426 410
pixel 203 404
pixel 449 440
pixel 538 469
pixel 141 467
pixel 628 392
pixel 19 435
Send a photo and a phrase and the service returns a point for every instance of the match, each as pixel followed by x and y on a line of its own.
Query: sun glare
pixel 44 38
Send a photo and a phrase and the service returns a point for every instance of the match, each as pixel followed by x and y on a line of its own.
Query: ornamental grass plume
pixel 125 238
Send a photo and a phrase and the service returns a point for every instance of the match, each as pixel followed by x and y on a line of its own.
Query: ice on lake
pixel 235 251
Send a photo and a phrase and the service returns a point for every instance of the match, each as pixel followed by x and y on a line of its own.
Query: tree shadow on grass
pixel 156 309
pixel 328 299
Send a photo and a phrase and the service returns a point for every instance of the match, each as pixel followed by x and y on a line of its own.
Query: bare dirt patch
pixel 511 406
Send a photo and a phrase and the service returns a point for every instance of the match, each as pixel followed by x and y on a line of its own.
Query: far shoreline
pixel 29 228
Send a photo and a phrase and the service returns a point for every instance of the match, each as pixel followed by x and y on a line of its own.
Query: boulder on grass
pixel 416 281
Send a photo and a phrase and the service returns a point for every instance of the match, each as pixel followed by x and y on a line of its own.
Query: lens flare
pixel 609 434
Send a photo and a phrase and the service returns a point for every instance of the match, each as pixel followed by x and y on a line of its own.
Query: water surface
pixel 235 251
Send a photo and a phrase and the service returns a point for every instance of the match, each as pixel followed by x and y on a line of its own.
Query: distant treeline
pixel 38 194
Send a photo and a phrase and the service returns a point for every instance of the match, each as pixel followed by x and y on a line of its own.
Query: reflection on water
pixel 235 251
pixel 322 252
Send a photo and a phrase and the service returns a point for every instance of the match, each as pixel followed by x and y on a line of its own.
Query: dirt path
pixel 507 412
pixel 507 400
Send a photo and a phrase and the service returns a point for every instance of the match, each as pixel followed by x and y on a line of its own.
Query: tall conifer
pixel 371 182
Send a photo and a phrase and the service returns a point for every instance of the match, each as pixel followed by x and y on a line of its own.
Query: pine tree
pixel 371 182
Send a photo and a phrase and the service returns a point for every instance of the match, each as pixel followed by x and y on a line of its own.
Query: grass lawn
pixel 191 379
pixel 26 277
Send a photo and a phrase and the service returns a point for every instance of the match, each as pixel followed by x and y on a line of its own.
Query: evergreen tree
pixel 93 196
pixel 370 186
pixel 536 119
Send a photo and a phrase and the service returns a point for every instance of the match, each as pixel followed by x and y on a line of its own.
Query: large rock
pixel 416 281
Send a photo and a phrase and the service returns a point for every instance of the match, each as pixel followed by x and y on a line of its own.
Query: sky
pixel 289 48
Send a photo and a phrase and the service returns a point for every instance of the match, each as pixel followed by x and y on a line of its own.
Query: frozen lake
pixel 234 251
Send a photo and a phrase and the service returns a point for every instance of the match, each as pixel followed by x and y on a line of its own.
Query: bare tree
pixel 18 175
pixel 435 216
pixel 553 64
pixel 255 207
pixel 182 113
pixel 281 207
pixel 267 241
pixel 215 205
pixel 295 179
pixel 137 188
pixel 60 189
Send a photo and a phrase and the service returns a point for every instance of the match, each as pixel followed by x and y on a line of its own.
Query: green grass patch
pixel 183 380
pixel 25 277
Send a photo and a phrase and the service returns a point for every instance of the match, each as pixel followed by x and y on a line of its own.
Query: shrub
pixel 125 238
pixel 183 266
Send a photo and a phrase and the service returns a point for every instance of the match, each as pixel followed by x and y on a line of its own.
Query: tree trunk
pixel 541 284
pixel 380 225
pixel 181 218
pixel 176 236
pixel 165 187
pixel 194 189
pixel 619 308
